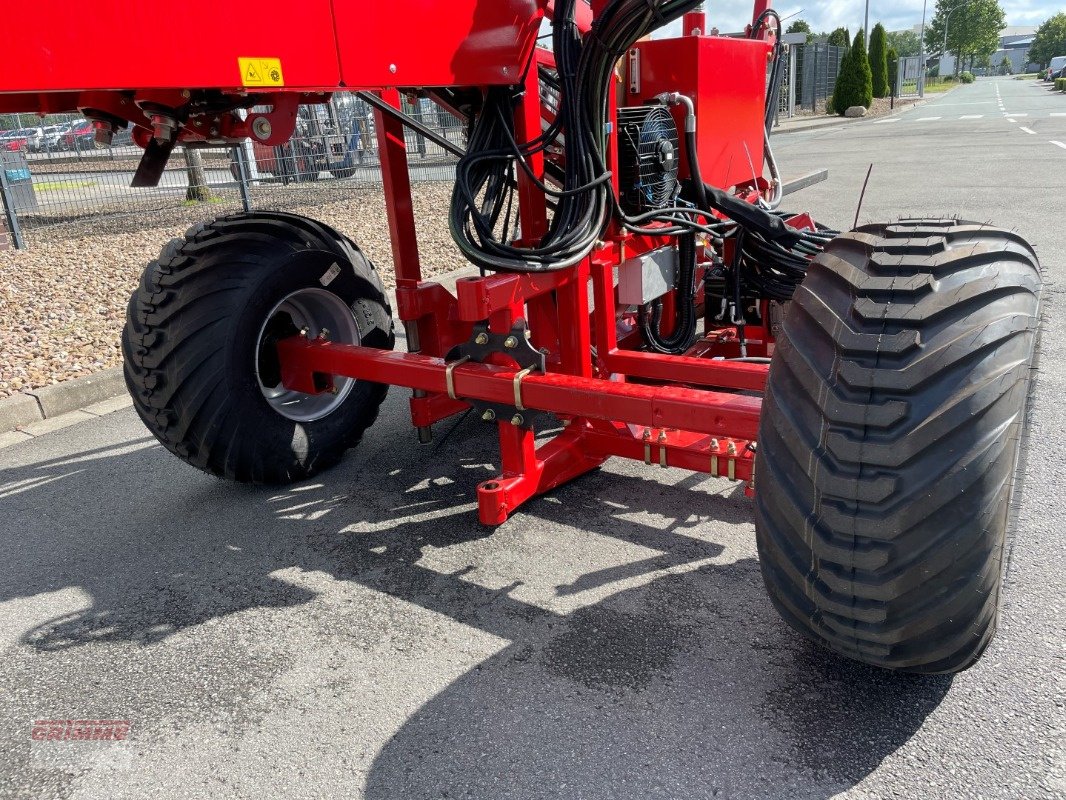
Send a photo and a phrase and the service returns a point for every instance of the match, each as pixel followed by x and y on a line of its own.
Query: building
pixel 1014 42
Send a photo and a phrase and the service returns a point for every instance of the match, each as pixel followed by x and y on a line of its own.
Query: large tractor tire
pixel 892 441
pixel 199 345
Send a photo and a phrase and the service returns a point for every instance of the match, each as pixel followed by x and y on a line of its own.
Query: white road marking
pixel 971 116
pixel 1027 130
pixel 1058 144
pixel 1058 113
pixel 1012 120
pixel 883 121
pixel 926 119
pixel 1023 114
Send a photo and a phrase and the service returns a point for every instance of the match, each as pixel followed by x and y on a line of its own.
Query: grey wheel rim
pixel 320 313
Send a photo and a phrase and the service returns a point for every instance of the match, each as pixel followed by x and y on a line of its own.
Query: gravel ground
pixel 63 301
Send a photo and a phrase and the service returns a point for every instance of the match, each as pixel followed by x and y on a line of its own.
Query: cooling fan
pixel 648 158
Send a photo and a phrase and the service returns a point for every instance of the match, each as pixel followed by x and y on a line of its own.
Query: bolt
pixel 482 338
pixel 163 127
pixel 662 436
pixel 392 68
pixel 489 415
pixel 517 419
pixel 185 93
pixel 262 128
pixel 304 331
pixel 324 334
pixel 334 390
pixel 510 342
pixel 714 444
pixel 731 448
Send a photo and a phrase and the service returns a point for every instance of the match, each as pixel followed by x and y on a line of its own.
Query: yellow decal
pixel 261 72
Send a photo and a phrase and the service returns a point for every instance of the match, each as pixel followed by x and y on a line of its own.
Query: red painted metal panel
pixel 430 43
pixel 116 44
pixel 726 79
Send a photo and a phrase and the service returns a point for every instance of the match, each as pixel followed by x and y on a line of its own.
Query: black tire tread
pixel 173 372
pixel 888 445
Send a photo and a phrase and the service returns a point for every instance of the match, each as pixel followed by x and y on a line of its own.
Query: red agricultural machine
pixel 641 294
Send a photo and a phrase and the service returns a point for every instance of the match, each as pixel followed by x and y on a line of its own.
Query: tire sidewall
pixel 308 269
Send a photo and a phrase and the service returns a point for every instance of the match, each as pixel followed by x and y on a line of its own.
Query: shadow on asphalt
pixel 686 686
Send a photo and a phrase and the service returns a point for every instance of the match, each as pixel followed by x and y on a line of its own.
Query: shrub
pixel 854 85
pixel 893 69
pixel 966 77
pixel 879 62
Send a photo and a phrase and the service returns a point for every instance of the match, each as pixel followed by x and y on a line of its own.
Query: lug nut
pixel 489 415
pixel 482 338
pixel 517 420
pixel 510 342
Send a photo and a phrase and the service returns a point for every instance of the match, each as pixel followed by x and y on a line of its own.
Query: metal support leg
pixel 9 210
pixel 242 176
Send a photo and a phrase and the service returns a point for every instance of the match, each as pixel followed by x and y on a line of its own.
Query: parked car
pixel 48 140
pixel 1056 69
pixel 80 136
pixel 14 140
pixel 33 138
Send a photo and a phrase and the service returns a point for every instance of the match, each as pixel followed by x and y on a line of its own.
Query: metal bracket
pixel 515 345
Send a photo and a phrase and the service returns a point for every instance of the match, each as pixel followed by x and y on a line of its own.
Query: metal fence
pixel 910 77
pixel 62 176
pixel 810 76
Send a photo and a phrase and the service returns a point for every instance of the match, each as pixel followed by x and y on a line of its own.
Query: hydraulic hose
pixel 684 333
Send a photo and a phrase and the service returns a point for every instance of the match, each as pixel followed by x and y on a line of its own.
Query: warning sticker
pixel 261 72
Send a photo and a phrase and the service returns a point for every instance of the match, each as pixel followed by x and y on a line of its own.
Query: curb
pixel 832 123
pixel 37 405
pixel 34 412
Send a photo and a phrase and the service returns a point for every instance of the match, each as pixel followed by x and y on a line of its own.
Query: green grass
pixel 1028 76
pixel 51 186
pixel 212 199
pixel 938 85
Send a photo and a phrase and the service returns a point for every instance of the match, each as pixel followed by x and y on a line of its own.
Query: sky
pixel 824 15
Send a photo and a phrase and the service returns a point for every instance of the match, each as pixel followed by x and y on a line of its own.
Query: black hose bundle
pixel 483 199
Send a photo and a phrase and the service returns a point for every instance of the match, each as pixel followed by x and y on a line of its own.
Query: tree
pixel 861 64
pixel 905 43
pixel 879 61
pixel 1005 67
pixel 893 70
pixel 801 26
pixel 197 190
pixel 840 38
pixel 854 86
pixel 1050 40
pixel 972 27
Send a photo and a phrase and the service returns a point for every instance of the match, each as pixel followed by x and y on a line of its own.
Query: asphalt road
pixel 362 636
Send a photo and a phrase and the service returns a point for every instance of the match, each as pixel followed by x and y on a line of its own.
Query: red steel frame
pixel 674 411
pixel 615 406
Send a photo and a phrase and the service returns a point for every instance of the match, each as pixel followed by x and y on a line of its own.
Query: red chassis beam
pixel 667 425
